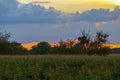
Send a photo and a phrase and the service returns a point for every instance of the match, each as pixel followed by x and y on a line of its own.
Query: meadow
pixel 59 67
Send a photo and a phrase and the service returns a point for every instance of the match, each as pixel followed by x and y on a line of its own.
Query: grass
pixel 60 67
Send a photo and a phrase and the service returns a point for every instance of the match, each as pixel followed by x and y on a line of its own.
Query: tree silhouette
pixel 98 45
pixel 17 48
pixel 62 47
pixel 83 44
pixel 41 48
pixel 4 37
pixel 5 46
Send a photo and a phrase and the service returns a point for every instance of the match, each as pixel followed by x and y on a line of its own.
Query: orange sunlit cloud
pixel 98 24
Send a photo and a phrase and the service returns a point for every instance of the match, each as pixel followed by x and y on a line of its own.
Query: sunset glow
pixel 75 5
pixel 115 1
pixel 29 45
pixel 112 46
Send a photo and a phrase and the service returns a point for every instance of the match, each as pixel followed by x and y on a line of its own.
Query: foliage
pixel 85 45
pixel 7 47
pixel 4 43
pixel 64 47
pixel 17 48
pixel 4 36
pixel 98 45
pixel 41 48
pixel 52 67
pixel 84 41
pixel 94 46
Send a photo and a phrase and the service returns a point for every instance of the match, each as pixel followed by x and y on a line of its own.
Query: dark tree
pixel 41 48
pixel 98 45
pixel 84 39
pixel 62 47
pixel 70 46
pixel 83 44
pixel 5 46
pixel 4 37
pixel 17 48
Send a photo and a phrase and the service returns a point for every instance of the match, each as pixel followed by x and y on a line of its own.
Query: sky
pixel 53 20
pixel 75 5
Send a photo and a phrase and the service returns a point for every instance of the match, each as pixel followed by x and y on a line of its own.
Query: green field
pixel 60 67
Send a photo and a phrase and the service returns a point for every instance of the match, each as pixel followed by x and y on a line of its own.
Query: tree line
pixel 85 44
pixel 10 47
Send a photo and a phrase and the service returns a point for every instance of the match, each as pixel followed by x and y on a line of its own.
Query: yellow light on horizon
pixel 73 6
pixel 29 45
pixel 115 1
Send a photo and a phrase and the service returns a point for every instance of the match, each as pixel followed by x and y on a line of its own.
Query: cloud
pixel 41 2
pixel 29 13
pixel 98 24
pixel 54 32
pixel 8 6
pixel 98 15
pixel 12 13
